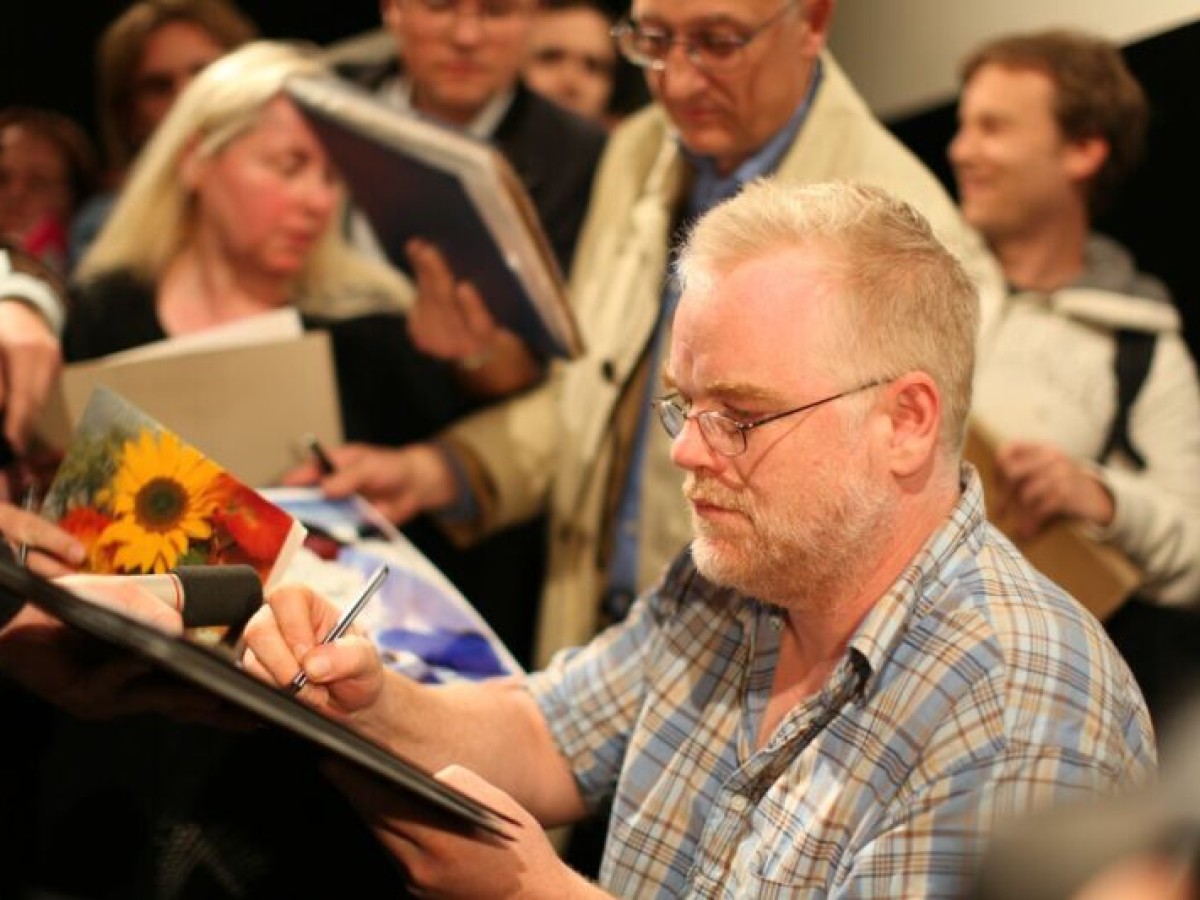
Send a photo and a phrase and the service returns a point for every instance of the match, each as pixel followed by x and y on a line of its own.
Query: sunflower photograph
pixel 162 500
pixel 143 501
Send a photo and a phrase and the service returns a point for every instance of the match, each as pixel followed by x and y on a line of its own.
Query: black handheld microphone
pixel 206 595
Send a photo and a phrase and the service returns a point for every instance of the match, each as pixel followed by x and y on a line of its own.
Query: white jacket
pixel 1046 372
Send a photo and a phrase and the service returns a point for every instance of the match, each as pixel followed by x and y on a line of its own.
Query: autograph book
pixel 413 178
pixel 212 672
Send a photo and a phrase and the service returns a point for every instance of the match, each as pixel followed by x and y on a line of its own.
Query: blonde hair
pixel 905 302
pixel 152 221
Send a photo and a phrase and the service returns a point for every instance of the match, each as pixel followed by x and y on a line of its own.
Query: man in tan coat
pixel 744 89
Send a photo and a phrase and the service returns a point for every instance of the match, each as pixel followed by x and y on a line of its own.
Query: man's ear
pixel 819 15
pixel 389 12
pixel 1085 157
pixel 914 408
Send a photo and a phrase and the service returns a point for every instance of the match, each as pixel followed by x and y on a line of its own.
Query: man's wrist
pixel 463 507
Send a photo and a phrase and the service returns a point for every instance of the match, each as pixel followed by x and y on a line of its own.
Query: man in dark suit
pixel 460 62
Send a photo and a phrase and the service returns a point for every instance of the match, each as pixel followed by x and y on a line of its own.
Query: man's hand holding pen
pixel 285 637
pixel 348 681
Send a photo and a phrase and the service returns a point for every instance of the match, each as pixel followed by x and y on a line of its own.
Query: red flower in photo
pixel 258 527
pixel 87 524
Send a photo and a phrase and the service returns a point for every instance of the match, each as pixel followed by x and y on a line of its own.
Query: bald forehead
pixel 687 10
pixel 764 300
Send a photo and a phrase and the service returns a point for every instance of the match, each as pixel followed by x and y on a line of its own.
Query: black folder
pixel 208 670
pixel 416 179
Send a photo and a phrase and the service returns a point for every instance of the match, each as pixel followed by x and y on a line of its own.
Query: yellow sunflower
pixel 162 496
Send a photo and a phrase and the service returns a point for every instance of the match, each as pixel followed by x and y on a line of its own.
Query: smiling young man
pixel 847 680
pixel 1050 124
pixel 744 88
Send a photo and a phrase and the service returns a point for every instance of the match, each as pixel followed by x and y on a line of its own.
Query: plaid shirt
pixel 974 689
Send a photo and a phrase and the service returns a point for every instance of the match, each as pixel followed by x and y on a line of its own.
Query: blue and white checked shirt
pixel 972 691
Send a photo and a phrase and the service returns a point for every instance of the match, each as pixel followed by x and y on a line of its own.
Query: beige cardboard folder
pixel 1098 575
pixel 246 407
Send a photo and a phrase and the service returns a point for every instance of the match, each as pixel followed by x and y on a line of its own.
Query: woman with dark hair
pixel 47 169
pixel 146 57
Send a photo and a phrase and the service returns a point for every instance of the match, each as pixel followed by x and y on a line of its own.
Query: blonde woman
pixel 233 209
pixel 230 209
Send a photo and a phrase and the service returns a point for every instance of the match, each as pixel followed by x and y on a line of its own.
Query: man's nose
pixel 690 450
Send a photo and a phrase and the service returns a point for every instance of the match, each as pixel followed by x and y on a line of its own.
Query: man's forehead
pixel 764 313
pixel 1036 78
pixel 698 10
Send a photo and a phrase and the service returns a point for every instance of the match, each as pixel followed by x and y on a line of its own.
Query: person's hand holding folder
pixel 58 664
pixel 47 658
pixel 1039 483
pixel 30 358
pixel 441 861
pixel 48 550
pixel 450 321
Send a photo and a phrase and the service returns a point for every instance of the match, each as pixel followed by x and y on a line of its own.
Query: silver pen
pixel 345 620
pixel 29 504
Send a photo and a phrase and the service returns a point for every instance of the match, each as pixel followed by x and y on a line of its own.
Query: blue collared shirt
pixel 972 690
pixel 709 188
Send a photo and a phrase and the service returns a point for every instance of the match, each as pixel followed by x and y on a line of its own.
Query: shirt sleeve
pixel 932 843
pixel 21 282
pixel 591 697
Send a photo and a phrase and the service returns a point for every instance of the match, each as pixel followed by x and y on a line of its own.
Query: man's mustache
pixel 707 492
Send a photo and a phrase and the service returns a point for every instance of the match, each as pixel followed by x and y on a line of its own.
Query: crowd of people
pixel 776 648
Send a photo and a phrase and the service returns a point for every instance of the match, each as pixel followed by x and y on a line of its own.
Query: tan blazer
pixel 557 443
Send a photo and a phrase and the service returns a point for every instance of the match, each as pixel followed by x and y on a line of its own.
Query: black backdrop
pixel 47 49
pixel 46 59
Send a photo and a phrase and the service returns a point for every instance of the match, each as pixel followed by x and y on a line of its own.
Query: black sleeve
pixel 390 392
pixel 112 312
pixel 555 153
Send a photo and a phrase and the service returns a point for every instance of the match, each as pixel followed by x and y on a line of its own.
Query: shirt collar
pixel 398 92
pixel 923 583
pixel 710 187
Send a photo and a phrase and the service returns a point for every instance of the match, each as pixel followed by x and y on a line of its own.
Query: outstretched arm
pixel 476 725
pixel 488 740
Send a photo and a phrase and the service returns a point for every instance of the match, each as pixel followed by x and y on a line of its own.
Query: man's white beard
pixel 795 562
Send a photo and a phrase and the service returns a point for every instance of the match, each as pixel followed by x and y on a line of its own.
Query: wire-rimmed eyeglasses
pixel 725 435
pixel 717 46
